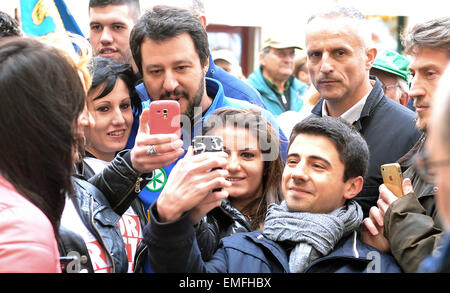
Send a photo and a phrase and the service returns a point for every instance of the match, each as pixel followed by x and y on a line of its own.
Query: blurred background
pixel 241 25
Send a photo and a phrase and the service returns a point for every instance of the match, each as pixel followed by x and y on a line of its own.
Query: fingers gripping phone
pixel 393 178
pixel 165 117
pixel 203 144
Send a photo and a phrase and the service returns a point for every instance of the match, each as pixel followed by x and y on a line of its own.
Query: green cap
pixel 392 62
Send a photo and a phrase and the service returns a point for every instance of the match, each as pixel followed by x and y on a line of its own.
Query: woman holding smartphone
pixel 254 169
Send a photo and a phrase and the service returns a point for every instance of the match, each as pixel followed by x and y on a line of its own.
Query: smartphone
pixel 165 117
pixel 203 144
pixel 393 178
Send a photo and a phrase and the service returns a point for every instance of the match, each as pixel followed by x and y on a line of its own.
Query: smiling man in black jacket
pixel 314 230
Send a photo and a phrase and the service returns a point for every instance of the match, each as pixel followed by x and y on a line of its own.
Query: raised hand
pixel 154 151
pixel 190 185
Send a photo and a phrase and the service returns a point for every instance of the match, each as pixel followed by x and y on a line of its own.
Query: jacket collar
pixel 273 247
pixel 214 89
pixel 375 96
pixel 212 67
pixel 349 247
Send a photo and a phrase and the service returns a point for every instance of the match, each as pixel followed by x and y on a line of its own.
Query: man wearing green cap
pixel 275 81
pixel 391 68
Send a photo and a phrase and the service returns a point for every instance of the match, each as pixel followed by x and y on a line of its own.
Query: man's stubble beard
pixel 195 101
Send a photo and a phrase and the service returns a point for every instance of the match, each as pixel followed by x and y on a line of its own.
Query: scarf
pixel 314 235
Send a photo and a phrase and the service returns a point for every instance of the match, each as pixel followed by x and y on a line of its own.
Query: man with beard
pixel 412 227
pixel 170 48
pixel 232 86
pixel 340 55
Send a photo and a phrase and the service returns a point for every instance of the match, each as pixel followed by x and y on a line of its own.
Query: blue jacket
pixel 159 177
pixel 233 87
pixel 297 90
pixel 214 89
pixel 439 262
pixel 174 249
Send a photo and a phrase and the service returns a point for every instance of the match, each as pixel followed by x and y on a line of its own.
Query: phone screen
pixel 203 144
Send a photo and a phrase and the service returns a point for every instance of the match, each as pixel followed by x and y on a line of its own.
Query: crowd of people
pixel 87 186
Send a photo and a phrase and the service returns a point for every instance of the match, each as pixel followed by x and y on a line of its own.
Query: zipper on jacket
pixel 100 235
pixel 138 256
pixel 137 189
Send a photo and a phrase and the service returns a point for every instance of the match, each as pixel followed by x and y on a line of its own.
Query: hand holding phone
pixel 203 144
pixel 393 178
pixel 165 117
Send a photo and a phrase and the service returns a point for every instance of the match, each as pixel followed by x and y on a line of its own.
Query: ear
pixel 371 54
pixel 261 58
pixel 206 66
pixel 353 186
pixel 404 99
pixel 202 19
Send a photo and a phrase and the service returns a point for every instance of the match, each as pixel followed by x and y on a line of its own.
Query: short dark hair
pixel 105 71
pixel 42 97
pixel 162 23
pixel 134 6
pixel 434 33
pixel 9 27
pixel 351 146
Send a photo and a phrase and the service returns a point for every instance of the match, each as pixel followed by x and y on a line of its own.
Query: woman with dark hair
pixel 44 116
pixel 254 170
pixel 111 100
pixel 248 137
pixel 36 151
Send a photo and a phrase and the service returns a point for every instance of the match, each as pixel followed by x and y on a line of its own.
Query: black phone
pixel 203 144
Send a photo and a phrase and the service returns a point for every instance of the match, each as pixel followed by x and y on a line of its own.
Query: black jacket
pixel 389 131
pixel 220 222
pixel 108 195
pixel 101 221
pixel 121 184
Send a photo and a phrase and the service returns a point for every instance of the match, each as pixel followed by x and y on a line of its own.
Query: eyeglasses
pixel 426 169
pixel 282 53
pixel 388 87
